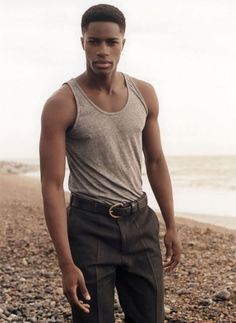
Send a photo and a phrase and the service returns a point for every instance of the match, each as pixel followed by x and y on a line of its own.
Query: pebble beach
pixel 201 289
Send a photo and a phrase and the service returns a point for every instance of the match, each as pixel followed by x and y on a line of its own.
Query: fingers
pixel 75 289
pixel 168 258
pixel 172 257
pixel 84 291
pixel 168 252
pixel 170 264
pixel 72 298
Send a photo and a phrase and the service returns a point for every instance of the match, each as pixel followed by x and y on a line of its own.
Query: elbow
pixel 49 187
pixel 154 162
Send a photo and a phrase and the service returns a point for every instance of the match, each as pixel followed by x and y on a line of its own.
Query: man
pixel 102 120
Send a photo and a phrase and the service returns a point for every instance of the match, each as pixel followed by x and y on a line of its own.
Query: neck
pixel 101 82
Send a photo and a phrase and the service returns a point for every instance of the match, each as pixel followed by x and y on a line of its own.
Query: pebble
pixel 12 317
pixel 233 294
pixel 59 290
pixel 222 295
pixel 192 285
pixel 167 309
pixel 193 271
pixel 192 243
pixel 53 303
pixel 30 279
pixel 182 291
pixel 24 262
pixel 205 302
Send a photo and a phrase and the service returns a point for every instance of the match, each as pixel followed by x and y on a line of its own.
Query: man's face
pixel 103 43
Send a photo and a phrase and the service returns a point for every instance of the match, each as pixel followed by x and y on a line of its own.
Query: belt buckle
pixel 111 210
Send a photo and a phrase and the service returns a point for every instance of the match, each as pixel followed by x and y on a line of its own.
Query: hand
pixel 73 278
pixel 172 250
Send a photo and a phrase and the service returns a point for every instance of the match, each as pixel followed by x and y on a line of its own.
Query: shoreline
pixel 191 220
pixel 207 220
pixel 216 222
pixel 212 216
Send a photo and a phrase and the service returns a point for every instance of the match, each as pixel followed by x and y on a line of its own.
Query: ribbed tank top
pixel 104 149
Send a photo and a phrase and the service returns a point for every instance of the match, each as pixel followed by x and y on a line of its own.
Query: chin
pixel 103 72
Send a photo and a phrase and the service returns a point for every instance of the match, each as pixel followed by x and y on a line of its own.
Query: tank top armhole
pixel 73 88
pixel 136 91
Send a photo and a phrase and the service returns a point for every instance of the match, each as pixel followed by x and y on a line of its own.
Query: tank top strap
pixel 130 82
pixel 73 85
pixel 77 95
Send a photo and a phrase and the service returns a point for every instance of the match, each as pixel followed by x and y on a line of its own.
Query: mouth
pixel 102 64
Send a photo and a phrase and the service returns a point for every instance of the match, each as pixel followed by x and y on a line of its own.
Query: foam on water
pixel 202 185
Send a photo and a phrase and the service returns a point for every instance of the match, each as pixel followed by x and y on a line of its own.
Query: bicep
pixel 152 140
pixel 52 154
pixel 57 116
pixel 152 147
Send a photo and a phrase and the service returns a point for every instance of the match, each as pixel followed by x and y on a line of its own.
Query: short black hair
pixel 103 12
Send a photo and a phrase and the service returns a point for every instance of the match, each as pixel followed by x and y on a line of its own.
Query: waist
pixel 115 211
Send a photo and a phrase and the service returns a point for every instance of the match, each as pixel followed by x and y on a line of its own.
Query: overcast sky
pixel 185 48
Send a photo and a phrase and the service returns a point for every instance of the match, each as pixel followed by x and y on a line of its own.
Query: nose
pixel 103 50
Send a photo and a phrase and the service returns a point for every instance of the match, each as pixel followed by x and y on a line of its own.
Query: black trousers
pixel 122 253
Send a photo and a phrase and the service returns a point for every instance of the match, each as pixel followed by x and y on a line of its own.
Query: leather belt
pixel 116 210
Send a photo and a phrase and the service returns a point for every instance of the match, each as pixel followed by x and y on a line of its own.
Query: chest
pixel 113 102
pixel 97 127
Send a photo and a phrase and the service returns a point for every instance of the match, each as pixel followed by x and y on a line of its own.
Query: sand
pixel 202 288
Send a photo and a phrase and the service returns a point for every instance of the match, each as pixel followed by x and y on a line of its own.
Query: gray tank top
pixel 104 149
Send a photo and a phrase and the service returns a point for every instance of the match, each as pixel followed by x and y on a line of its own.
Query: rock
pixel 12 317
pixel 24 262
pixel 59 290
pixel 48 274
pixel 167 309
pixel 192 243
pixel 33 319
pixel 193 271
pixel 222 295
pixel 233 294
pixel 192 285
pixel 182 291
pixel 205 302
pixel 3 317
pixel 116 306
pixel 6 312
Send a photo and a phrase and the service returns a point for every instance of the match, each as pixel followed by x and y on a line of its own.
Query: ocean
pixel 204 188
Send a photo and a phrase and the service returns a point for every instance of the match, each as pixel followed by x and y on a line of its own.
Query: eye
pixel 112 42
pixel 93 41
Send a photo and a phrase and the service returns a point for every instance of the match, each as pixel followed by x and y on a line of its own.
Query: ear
pixel 82 41
pixel 123 43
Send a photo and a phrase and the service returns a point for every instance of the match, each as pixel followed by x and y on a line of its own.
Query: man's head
pixel 103 28
pixel 103 12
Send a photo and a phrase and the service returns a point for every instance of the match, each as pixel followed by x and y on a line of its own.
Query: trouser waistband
pixel 116 210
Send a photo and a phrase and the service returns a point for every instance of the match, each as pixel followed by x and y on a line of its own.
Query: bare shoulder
pixel 145 86
pixel 149 94
pixel 60 108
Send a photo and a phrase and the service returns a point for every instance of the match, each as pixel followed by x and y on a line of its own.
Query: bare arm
pixel 58 114
pixel 52 165
pixel 158 174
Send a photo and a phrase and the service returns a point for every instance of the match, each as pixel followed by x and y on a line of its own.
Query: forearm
pixel 56 220
pixel 160 182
